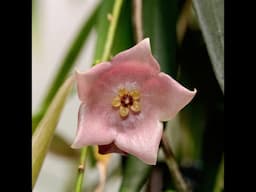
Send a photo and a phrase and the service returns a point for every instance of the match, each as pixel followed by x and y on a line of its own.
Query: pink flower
pixel 123 102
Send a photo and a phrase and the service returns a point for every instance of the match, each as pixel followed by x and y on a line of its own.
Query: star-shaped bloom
pixel 124 101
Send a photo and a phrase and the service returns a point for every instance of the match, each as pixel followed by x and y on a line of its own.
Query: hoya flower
pixel 124 102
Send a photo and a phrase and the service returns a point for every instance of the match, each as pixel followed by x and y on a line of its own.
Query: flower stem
pixel 80 170
pixel 137 20
pixel 105 56
pixel 178 180
pixel 112 29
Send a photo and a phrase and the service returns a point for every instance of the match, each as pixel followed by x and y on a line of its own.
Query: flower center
pixel 126 101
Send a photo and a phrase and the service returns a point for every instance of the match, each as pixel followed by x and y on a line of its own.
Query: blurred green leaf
pixel 102 28
pixel 123 36
pixel 44 133
pixel 192 124
pixel 208 100
pixel 66 65
pixel 135 175
pixel 61 147
pixel 211 19
pixel 219 184
pixel 185 131
pixel 159 24
pixel 124 32
pixel 91 156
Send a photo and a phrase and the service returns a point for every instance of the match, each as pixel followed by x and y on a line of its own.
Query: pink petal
pixel 139 134
pixel 92 128
pixel 166 96
pixel 86 80
pixel 123 73
pixel 133 66
pixel 140 53
pixel 142 140
pixel 110 148
pixel 100 84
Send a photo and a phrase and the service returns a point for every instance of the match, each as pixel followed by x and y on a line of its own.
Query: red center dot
pixel 126 100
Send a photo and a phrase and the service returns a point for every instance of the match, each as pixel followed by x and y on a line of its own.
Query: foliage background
pixel 194 56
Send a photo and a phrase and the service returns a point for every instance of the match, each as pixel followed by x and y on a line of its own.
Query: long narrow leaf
pixel 66 65
pixel 61 147
pixel 219 184
pixel 159 24
pixel 211 19
pixel 124 32
pixel 124 35
pixel 101 27
pixel 45 130
pixel 135 175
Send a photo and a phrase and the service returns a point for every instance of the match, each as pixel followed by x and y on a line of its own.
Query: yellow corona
pixel 126 101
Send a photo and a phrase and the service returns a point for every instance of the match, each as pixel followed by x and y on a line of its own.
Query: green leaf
pixel 211 19
pixel 135 175
pixel 61 147
pixel 66 66
pixel 124 32
pixel 192 120
pixel 91 156
pixel 44 133
pixel 102 28
pixel 186 130
pixel 159 24
pixel 219 184
pixel 123 36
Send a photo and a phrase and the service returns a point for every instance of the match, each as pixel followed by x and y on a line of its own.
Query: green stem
pixel 137 20
pixel 80 171
pixel 105 56
pixel 178 180
pixel 112 29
